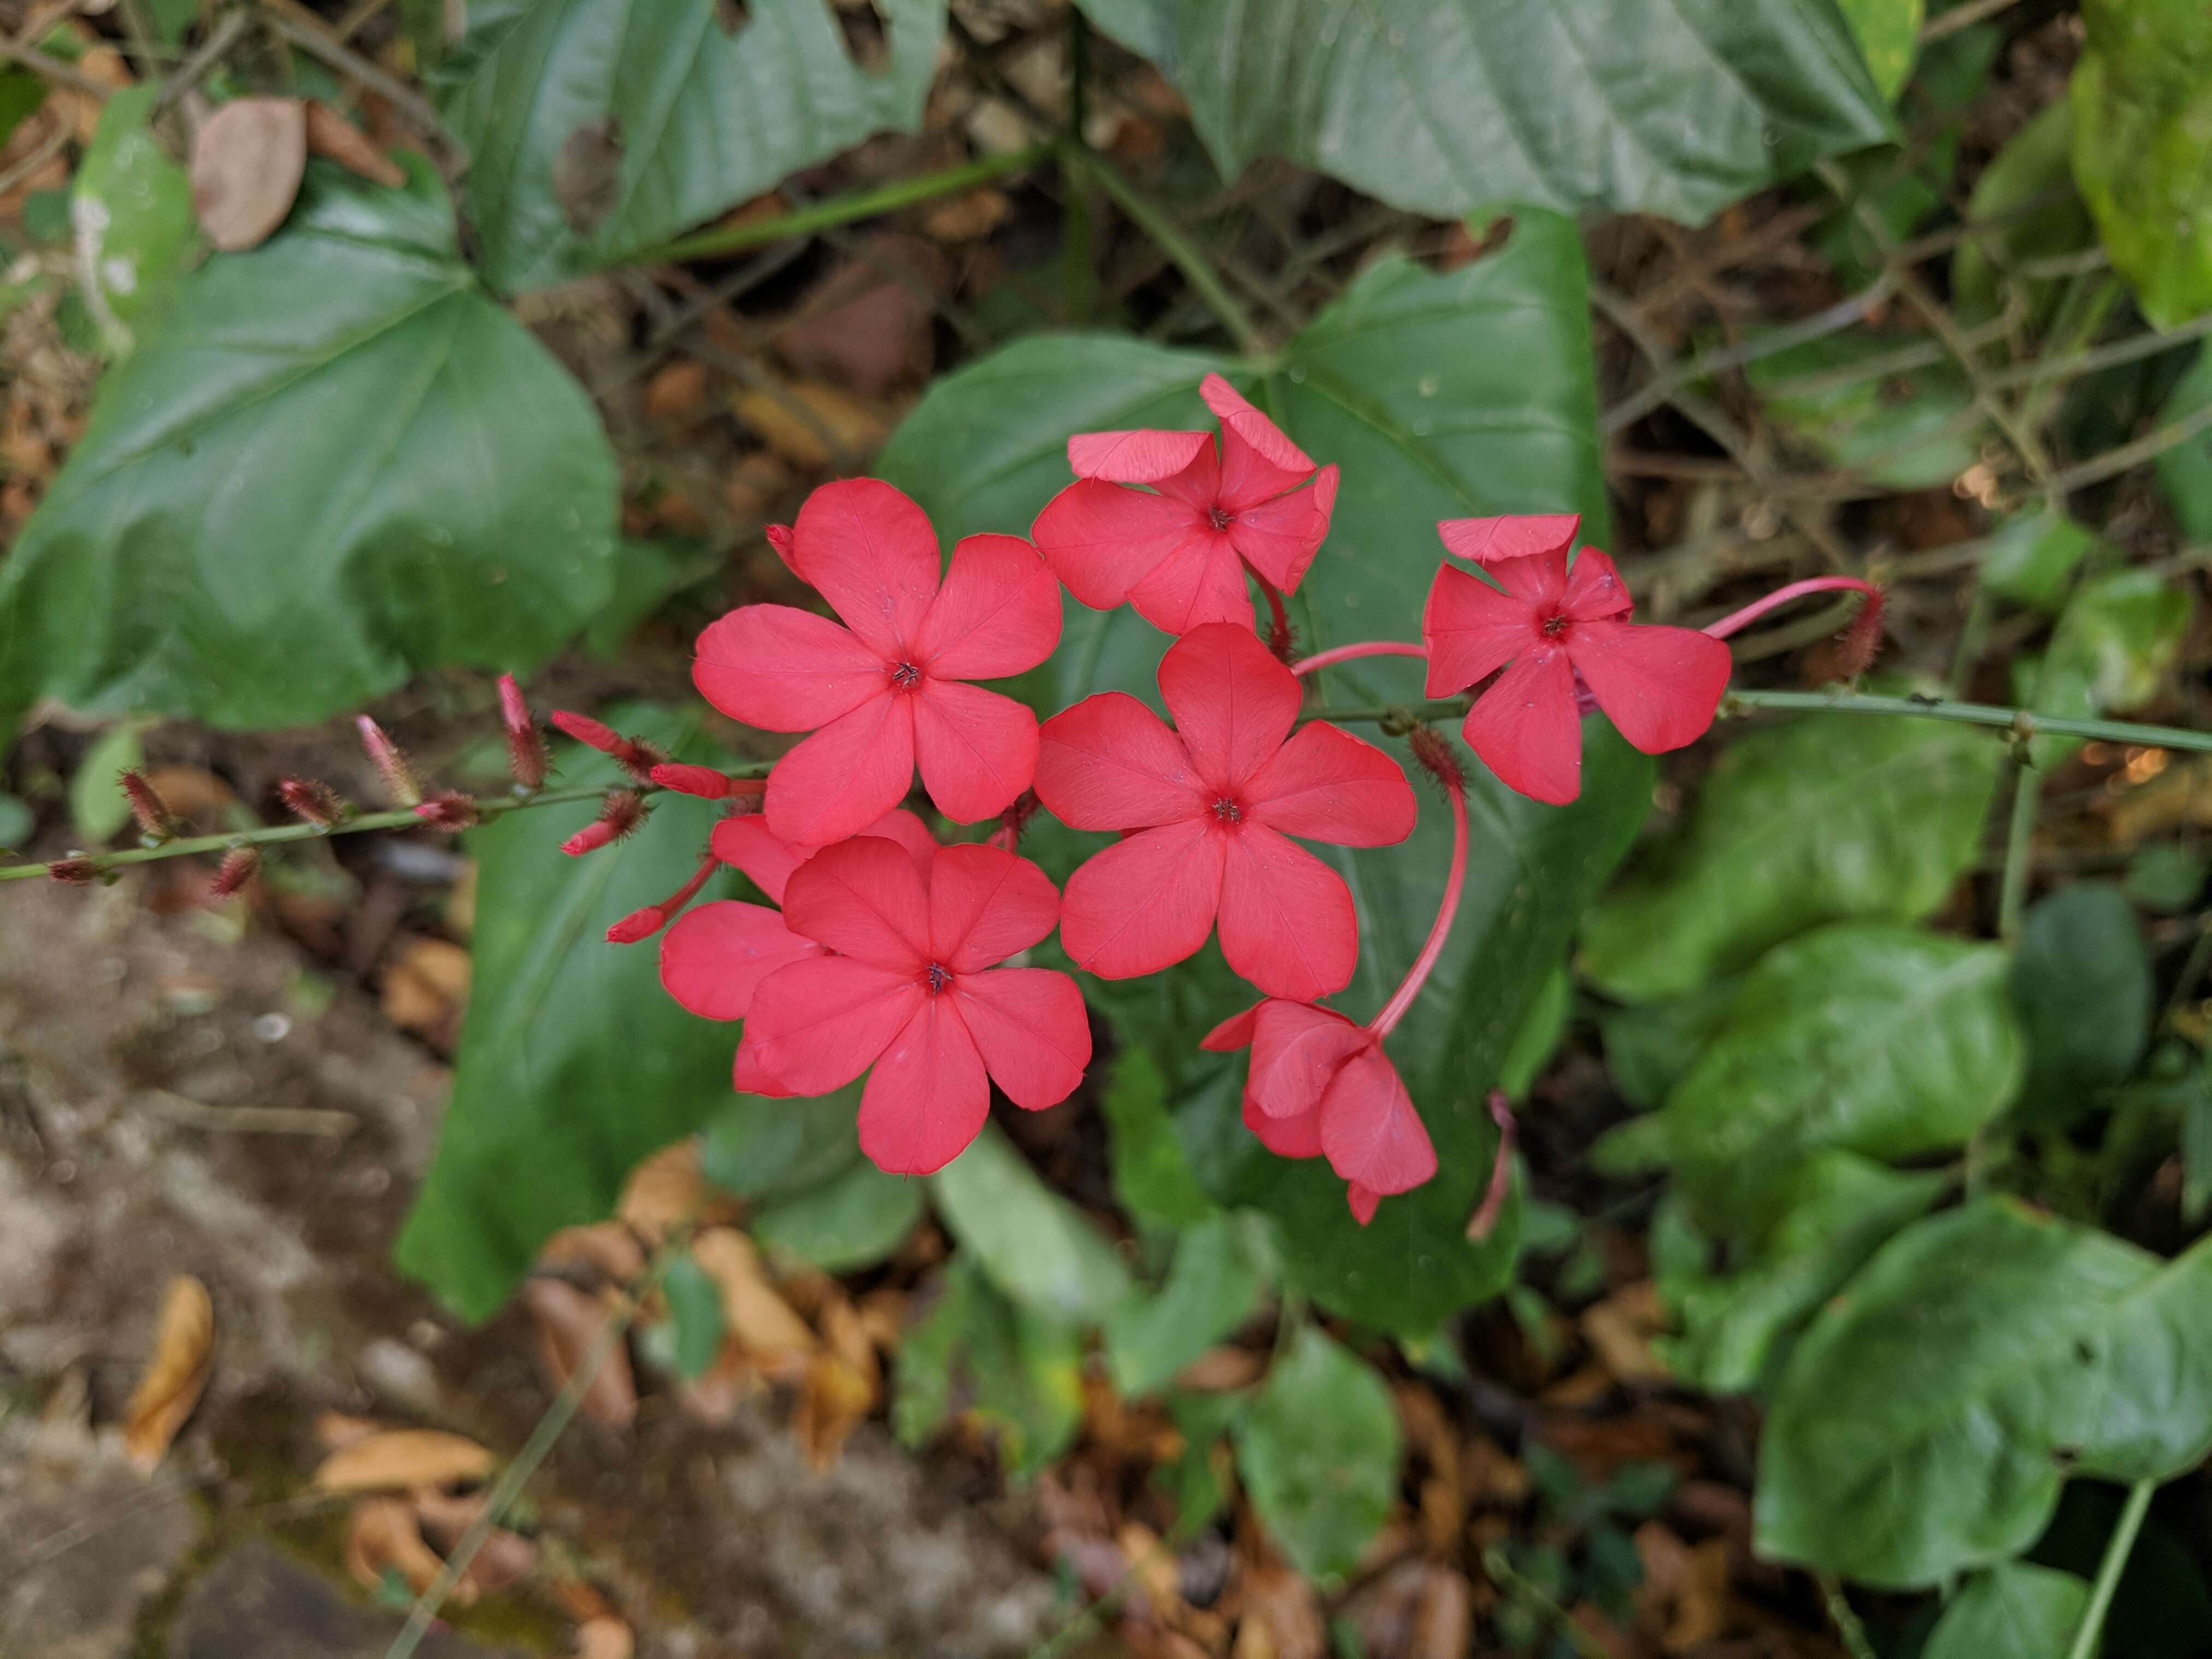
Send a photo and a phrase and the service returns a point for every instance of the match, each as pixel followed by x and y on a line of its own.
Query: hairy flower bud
pixel 1857 645
pixel 1434 754
pixel 73 871
pixel 449 811
pixel 621 813
pixel 398 776
pixel 704 781
pixel 526 749
pixel 636 757
pixel 310 801
pixel 155 821
pixel 238 866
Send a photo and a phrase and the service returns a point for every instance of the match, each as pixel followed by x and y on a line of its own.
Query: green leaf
pixel 2165 878
pixel 17 822
pixel 1152 1174
pixel 1146 26
pixel 280 511
pixel 2026 196
pixel 98 806
pixel 1930 1417
pixel 1541 1032
pixel 694 1301
pixel 2197 1149
pixel 2032 558
pixel 1647 1048
pixel 600 129
pixel 1212 1285
pixel 1836 1209
pixel 2020 1611
pixel 2117 640
pixel 765 1150
pixel 1888 33
pixel 573 1064
pixel 1867 1038
pixel 131 208
pixel 2142 147
pixel 1318 1454
pixel 854 1220
pixel 1822 818
pixel 1908 429
pixel 1034 1245
pixel 20 94
pixel 1017 1374
pixel 1440 396
pixel 2081 980
pixel 2184 471
pixel 1448 107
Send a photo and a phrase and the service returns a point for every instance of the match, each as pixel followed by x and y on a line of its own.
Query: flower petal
pixel 1201 581
pixel 986 904
pixel 1233 703
pixel 869 550
pixel 1257 460
pixel 1595 590
pixel 1111 763
pixel 1286 1137
pixel 749 1077
pixel 908 831
pixel 1101 539
pixel 1287 923
pixel 1280 538
pixel 997 613
pixel 819 1024
pixel 748 844
pixel 928 1097
pixel 1370 1130
pixel 845 776
pixel 784 669
pixel 1659 685
pixel 1144 456
pixel 1029 1025
pixel 1296 1051
pixel 1517 536
pixel 1143 902
pixel 714 955
pixel 1233 1032
pixel 863 898
pixel 977 750
pixel 1327 784
pixel 1363 1201
pixel 1472 630
pixel 1525 728
pixel 1541 579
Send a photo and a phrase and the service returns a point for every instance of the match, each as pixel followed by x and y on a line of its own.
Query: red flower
pixel 1320 1085
pixel 1559 630
pixel 1210 803
pixel 887 691
pixel 1177 551
pixel 886 967
pixel 750 845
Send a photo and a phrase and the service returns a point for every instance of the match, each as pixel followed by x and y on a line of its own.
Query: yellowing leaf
pixel 394 1459
pixel 169 1387
pixel 760 1320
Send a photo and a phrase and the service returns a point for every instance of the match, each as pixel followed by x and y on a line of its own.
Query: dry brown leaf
pixel 883 1316
pixel 330 134
pixel 1443 1619
pixel 604 1247
pixel 968 217
pixel 382 1534
pixel 569 1323
pixel 1684 1599
pixel 869 325
pixel 1220 1370
pixel 1280 1617
pixel 605 1638
pixel 834 1399
pixel 404 1459
pixel 664 1192
pixel 581 1600
pixel 675 396
pixel 763 1323
pixel 810 422
pixel 335 1431
pixel 1492 1475
pixel 1620 1330
pixel 169 1387
pixel 427 985
pixel 247 159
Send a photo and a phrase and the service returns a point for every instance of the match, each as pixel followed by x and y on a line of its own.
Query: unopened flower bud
pixel 637 758
pixel 398 776
pixel 778 538
pixel 73 871
pixel 155 821
pixel 1434 754
pixel 704 781
pixel 450 812
pixel 637 924
pixel 621 813
pixel 526 749
pixel 238 866
pixel 310 801
pixel 1856 648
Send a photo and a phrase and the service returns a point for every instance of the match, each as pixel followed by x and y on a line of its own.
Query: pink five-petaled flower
pixel 1560 629
pixel 913 989
pixel 1213 802
pixel 1320 1085
pixel 1177 550
pixel 888 691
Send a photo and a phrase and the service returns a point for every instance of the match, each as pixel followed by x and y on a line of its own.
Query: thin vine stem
pixel 2019 861
pixel 2117 1551
pixel 1189 258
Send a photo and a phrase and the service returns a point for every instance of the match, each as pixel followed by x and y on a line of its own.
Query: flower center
pixel 1219 517
pixel 937 976
pixel 905 677
pixel 1226 810
pixel 1555 627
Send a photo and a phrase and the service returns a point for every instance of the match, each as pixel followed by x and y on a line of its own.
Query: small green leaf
pixel 1888 33
pixel 695 1303
pixel 1212 1285
pixel 1152 1174
pixel 1542 1030
pixel 131 208
pixel 2165 878
pixel 1016 1374
pixel 2020 1611
pixel 98 806
pixel 1647 1048
pixel 1318 1455
pixel 2196 1148
pixel 2142 147
pixel 1870 1039
pixel 1035 1246
pixel 1908 429
pixel 20 94
pixel 2118 638
pixel 1930 1417
pixel 2184 471
pixel 2032 558
pixel 2081 981
pixel 854 1220
pixel 765 1150
pixel 2025 197
pixel 1820 818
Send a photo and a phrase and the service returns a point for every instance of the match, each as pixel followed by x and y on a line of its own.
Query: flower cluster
pixel 888 951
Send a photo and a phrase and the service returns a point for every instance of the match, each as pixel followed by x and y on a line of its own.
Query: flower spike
pixel 449 811
pixel 156 823
pixel 525 746
pixel 398 776
pixel 634 757
pixel 238 866
pixel 310 801
pixel 620 814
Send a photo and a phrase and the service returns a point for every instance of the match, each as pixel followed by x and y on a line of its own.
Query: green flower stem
pixel 400 818
pixel 2117 1551
pixel 843 209
pixel 2020 835
pixel 1189 258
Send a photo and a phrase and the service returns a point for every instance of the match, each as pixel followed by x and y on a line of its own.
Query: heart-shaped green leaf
pixel 2021 1611
pixel 1319 1455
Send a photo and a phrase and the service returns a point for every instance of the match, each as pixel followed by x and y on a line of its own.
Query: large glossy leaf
pixel 279 510
pixel 1032 1244
pixel 2082 982
pixel 1439 396
pixel 2142 147
pixel 1820 818
pixel 2021 1610
pixel 1932 1412
pixel 574 1064
pixel 1860 1037
pixel 599 128
pixel 1448 106
pixel 1319 1455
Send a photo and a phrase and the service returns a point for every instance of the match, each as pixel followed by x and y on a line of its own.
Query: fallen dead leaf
pixel 1684 1599
pixel 1220 1370
pixel 664 1192
pixel 969 217
pixel 1493 1475
pixel 247 159
pixel 581 1600
pixel 676 394
pixel 1280 1617
pixel 381 1533
pixel 1620 1330
pixel 335 1431
pixel 1443 1617
pixel 604 1638
pixel 760 1321
pixel 569 1323
pixel 404 1459
pixel 504 1558
pixel 869 324
pixel 330 134
pixel 427 985
pixel 176 1372
pixel 834 1399
pixel 810 422
pixel 605 1246
pixel 883 1316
